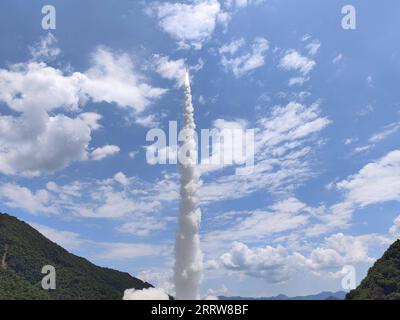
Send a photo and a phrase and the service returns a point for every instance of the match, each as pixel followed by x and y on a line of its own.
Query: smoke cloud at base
pixel 145 294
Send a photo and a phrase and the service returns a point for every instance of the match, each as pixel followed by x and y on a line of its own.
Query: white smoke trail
pixel 188 255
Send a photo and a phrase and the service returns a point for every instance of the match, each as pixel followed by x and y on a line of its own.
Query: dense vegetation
pixel 77 278
pixel 383 279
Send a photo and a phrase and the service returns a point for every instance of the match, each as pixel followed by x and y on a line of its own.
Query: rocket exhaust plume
pixel 188 256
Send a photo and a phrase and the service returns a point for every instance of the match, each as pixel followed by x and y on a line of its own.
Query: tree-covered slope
pixel 76 277
pixel 383 279
pixel 13 287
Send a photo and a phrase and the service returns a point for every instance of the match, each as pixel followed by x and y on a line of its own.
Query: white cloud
pixel 15 196
pixel 91 119
pixel 292 60
pixel 260 224
pixel 313 47
pixel 145 294
pixel 370 81
pixel 66 239
pixel 241 3
pixel 28 139
pixel 106 198
pixel 37 86
pixel 102 250
pixel 379 136
pixel 191 24
pixel 112 78
pixel 121 178
pixel 46 49
pixel 133 154
pixel 161 278
pixel 298 81
pixel 278 264
pixel 363 148
pixel 211 264
pixel 233 47
pixel 143 225
pixel 148 121
pixel 220 143
pixel 246 62
pixel 170 69
pixel 395 228
pixel 376 182
pixel 123 251
pixel 349 141
pixel 385 133
pixel 103 152
pixel 33 142
pixel 272 264
pixel 281 154
pixel 337 58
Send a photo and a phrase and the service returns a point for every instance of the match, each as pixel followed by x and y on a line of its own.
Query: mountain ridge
pixel 324 295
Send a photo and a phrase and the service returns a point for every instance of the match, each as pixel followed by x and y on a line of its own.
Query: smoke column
pixel 188 256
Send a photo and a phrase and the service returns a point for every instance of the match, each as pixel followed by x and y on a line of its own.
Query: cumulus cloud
pixel 113 79
pixel 27 140
pixel 292 60
pixel 251 59
pixel 278 264
pixel 33 142
pixel 37 86
pixel 145 294
pixel 273 264
pixel 191 24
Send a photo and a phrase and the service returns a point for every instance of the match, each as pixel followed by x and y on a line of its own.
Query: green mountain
pixel 24 252
pixel 383 279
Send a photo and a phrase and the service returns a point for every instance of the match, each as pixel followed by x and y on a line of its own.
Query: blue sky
pixel 76 104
